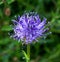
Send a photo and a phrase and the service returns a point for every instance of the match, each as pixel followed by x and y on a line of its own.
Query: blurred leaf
pixel 4 41
pixel 1 14
pixel 1 2
pixel 10 1
pixel 6 28
pixel 52 55
pixel 5 58
pixel 56 26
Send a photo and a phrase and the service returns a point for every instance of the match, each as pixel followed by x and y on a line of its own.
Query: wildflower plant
pixel 28 28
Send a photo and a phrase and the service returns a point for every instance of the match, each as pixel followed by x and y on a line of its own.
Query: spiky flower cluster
pixel 29 27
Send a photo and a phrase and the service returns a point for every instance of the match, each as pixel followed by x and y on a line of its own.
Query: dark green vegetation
pixel 47 50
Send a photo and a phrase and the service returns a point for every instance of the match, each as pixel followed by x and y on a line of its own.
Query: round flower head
pixel 29 27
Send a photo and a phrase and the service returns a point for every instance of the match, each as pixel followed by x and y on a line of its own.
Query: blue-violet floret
pixel 29 27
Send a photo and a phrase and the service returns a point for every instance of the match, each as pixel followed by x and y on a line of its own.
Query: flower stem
pixel 28 52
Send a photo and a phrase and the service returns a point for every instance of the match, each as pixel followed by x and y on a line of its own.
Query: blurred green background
pixel 47 50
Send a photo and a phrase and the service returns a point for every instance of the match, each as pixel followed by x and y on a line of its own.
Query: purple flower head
pixel 29 27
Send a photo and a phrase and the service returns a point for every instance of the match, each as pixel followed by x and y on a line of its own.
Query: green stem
pixel 28 52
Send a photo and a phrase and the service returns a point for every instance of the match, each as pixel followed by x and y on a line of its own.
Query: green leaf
pixel 1 2
pixel 10 1
pixel 25 55
pixel 5 40
pixel 6 28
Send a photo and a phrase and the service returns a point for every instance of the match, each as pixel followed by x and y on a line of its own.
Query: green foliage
pixel 46 50
pixel 8 1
